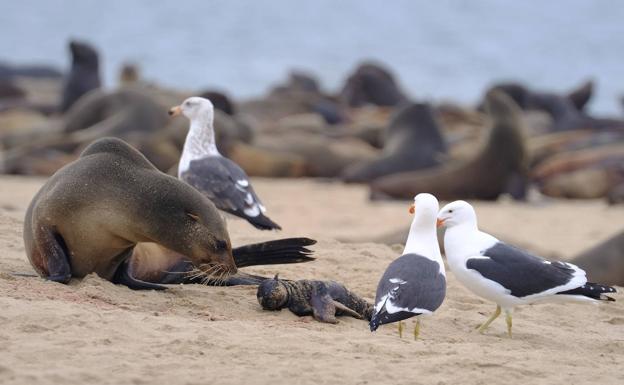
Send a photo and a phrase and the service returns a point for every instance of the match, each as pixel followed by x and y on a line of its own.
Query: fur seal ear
pixel 193 217
pixel 276 277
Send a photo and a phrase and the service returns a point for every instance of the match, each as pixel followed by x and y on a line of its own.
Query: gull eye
pixel 450 211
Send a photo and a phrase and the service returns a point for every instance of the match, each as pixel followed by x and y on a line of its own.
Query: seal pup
pixel 89 216
pixel 324 300
pixel 415 283
pixel 507 275
pixel 413 141
pixel 84 75
pixel 217 177
pixel 501 164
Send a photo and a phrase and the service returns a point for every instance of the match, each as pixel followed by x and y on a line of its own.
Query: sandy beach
pixel 92 331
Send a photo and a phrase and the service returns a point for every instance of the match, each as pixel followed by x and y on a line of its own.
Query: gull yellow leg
pixel 508 319
pixel 489 321
pixel 417 329
pixel 400 329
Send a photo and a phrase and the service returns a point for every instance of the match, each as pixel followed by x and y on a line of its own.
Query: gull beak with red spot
pixel 412 208
pixel 175 111
pixel 440 222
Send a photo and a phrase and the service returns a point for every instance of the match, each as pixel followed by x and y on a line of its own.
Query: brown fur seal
pixel 84 75
pixel 371 84
pixel 604 262
pixel 484 177
pixel 90 214
pixel 413 141
pixel 324 300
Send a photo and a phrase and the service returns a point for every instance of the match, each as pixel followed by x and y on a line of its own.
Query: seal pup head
pixel 272 294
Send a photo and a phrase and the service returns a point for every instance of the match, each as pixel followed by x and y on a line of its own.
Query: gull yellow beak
pixel 412 209
pixel 175 111
pixel 440 222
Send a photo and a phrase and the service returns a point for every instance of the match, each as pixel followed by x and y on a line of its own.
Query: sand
pixel 92 331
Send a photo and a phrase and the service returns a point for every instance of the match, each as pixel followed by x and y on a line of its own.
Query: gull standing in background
pixel 217 177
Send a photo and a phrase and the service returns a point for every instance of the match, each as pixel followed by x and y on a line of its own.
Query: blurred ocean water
pixel 442 50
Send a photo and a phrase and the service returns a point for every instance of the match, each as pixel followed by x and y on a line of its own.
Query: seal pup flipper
pixel 281 251
pixel 123 276
pixel 323 306
pixel 347 311
pixel 51 246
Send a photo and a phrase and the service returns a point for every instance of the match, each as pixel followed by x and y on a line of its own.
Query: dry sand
pixel 95 332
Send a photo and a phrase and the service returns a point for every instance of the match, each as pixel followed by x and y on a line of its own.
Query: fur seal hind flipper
pixel 323 306
pixel 281 251
pixel 56 259
pixel 123 276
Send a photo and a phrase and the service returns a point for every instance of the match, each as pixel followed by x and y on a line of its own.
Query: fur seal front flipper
pixel 123 276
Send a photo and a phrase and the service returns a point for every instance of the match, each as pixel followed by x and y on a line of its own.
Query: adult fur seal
pixel 486 176
pixel 604 261
pixel 84 75
pixel 89 216
pixel 413 141
pixel 371 84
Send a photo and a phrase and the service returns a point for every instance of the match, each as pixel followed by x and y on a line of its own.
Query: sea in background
pixel 442 50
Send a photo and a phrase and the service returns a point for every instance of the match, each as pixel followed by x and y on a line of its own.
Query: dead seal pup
pixel 324 300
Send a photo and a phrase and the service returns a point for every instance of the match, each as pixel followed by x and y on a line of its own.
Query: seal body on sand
pixel 604 262
pixel 499 166
pixel 324 300
pixel 371 84
pixel 413 141
pixel 84 75
pixel 89 216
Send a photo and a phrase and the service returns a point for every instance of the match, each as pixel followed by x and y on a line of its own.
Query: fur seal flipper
pixel 123 276
pixel 289 250
pixel 324 300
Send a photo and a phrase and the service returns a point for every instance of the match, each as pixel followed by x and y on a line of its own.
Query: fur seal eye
pixel 220 245
pixel 193 217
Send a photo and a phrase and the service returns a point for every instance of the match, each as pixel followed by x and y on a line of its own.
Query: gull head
pixel 425 209
pixel 194 108
pixel 456 213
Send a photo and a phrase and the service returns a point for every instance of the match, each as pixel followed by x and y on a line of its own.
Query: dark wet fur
pixel 307 297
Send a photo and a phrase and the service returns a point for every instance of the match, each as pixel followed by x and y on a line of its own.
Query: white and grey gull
pixel 507 275
pixel 217 177
pixel 415 283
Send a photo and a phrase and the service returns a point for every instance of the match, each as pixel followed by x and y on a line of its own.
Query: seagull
pixel 217 177
pixel 415 283
pixel 505 274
